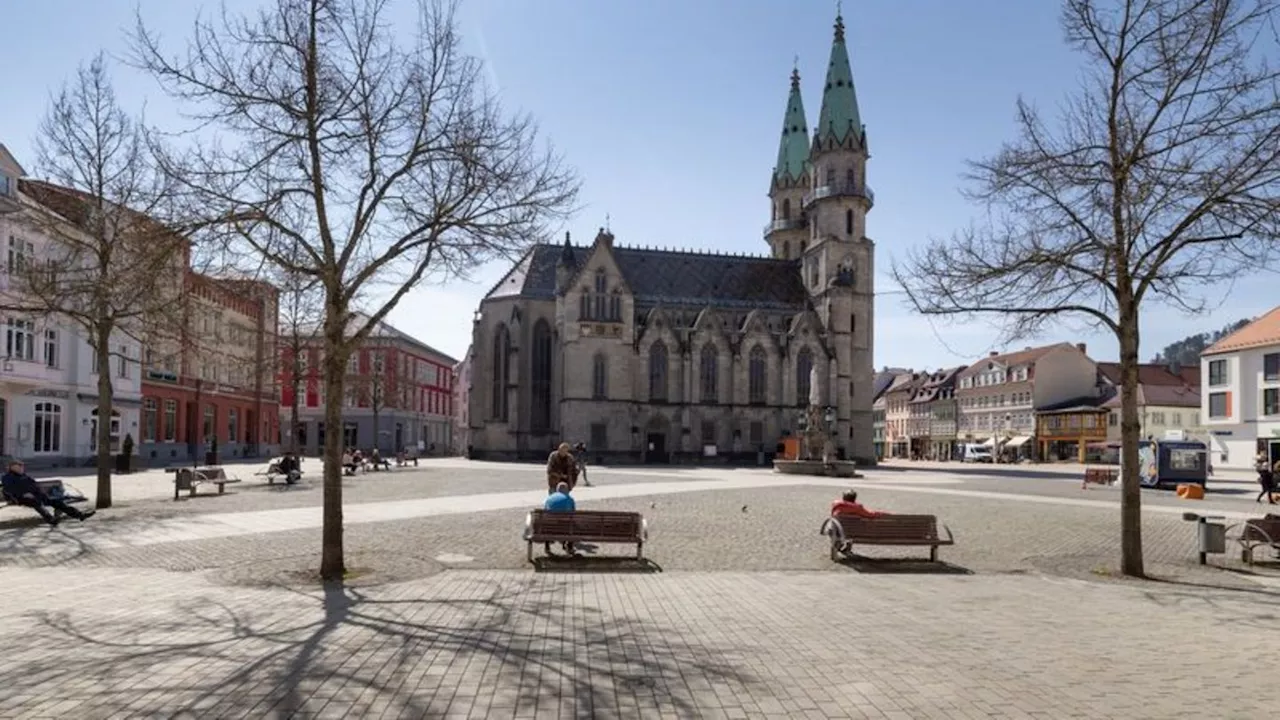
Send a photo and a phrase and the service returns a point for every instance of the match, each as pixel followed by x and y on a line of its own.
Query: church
pixel 662 356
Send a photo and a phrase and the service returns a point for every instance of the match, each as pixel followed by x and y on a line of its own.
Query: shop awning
pixel 1017 441
pixel 989 442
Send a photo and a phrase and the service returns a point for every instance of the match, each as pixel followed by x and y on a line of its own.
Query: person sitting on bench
pixel 24 490
pixel 848 505
pixel 349 463
pixel 560 501
pixel 290 468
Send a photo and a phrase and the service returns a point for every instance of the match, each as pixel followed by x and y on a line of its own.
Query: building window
pixel 1271 401
pixel 786 209
pixel 1218 405
pixel 708 373
pixel 599 377
pixel 21 253
pixel 786 250
pixel 804 368
pixel 755 435
pixel 51 348
pixel 708 432
pixel 170 420
pixel 209 414
pixel 757 365
pixel 1217 372
pixel 20 339
pixel 615 306
pixel 379 363
pixel 122 362
pixel 848 222
pixel 600 296
pixel 48 428
pixel 540 377
pixel 599 436
pixel 658 372
pixel 148 420
pixel 1271 367
pixel 500 367
pixel 233 424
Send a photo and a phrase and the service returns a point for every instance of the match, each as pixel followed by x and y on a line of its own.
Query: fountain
pixel 816 450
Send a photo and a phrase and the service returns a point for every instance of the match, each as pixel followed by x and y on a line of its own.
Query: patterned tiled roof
pixel 1263 332
pixel 1015 358
pixel 1158 385
pixel 671 277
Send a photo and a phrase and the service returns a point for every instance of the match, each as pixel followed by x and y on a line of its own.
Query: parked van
pixel 973 452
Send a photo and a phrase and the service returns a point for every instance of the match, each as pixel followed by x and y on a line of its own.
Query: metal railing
pixel 839 189
pixel 784 224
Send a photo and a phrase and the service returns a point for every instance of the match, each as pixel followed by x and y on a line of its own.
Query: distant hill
pixel 1187 350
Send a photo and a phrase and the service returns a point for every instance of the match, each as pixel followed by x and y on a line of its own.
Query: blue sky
pixel 671 111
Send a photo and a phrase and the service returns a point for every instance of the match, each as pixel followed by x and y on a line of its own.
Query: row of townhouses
pixel 1047 403
pixel 219 384
pixel 1055 403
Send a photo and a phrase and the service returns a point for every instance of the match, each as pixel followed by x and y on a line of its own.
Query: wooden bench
pixel 1256 533
pixel 845 531
pixel 273 471
pixel 596 526
pixel 52 488
pixel 187 478
pixel 1099 476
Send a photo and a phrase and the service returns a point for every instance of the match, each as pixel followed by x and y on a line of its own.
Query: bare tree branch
pixel 345 156
pixel 106 265
pixel 1160 183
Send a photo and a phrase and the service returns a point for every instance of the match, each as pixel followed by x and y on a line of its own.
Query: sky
pixel 671 110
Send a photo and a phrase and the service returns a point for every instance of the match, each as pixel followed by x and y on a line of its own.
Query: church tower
pixel 838 259
pixel 787 232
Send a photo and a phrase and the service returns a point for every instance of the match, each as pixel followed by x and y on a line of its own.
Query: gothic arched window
pixel 615 306
pixel 500 372
pixel 540 377
pixel 850 178
pixel 848 222
pixel 599 382
pixel 658 372
pixel 602 283
pixel 786 250
pixel 708 373
pixel 786 209
pixel 804 367
pixel 757 366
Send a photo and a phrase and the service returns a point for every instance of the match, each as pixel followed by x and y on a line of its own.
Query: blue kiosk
pixel 1170 462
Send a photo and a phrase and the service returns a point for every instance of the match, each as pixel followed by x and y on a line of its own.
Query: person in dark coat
pixel 22 489
pixel 561 468
pixel 1266 478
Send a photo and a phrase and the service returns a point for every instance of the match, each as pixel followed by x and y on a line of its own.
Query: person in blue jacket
pixel 560 501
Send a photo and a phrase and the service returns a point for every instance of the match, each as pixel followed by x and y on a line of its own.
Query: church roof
pixel 671 277
pixel 793 148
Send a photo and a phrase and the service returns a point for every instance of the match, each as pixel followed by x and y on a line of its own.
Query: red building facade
pixel 399 396
pixel 217 382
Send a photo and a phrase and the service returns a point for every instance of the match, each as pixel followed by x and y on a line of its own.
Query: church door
pixel 656 448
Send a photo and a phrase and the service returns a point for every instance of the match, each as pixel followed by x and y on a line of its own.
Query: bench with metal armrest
pixel 596 526
pixel 845 531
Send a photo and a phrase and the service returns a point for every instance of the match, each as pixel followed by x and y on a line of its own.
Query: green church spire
pixel 793 149
pixel 839 113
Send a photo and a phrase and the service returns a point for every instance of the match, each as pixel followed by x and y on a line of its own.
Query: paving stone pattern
pixel 499 644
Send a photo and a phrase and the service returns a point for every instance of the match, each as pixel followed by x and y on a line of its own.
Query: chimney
pixel 993 353
pixel 1082 348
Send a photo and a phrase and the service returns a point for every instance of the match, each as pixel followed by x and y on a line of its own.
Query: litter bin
pixel 1211 534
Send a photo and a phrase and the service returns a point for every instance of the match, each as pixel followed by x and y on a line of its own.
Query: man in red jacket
pixel 848 505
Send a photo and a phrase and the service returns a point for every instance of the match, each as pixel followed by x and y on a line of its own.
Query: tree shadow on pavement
pixel 509 647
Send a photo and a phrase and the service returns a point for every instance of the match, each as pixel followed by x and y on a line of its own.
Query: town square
pixel 467 359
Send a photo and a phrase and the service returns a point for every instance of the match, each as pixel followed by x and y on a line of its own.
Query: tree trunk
pixel 332 562
pixel 102 430
pixel 1131 560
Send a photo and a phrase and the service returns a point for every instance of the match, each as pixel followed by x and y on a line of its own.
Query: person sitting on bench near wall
pixel 560 501
pixel 23 490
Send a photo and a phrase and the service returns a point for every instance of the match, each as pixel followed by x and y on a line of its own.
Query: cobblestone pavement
pixel 502 644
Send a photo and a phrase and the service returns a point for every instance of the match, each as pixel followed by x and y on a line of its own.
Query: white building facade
pixel 48 373
pixel 1240 400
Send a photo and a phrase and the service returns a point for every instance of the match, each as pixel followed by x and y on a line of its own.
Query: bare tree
pixel 1160 183
pixel 384 164
pixel 109 268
